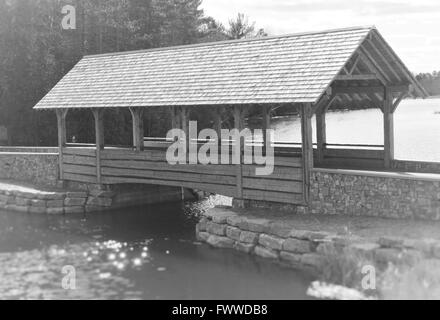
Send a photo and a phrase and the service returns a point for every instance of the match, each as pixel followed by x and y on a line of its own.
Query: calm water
pixel 143 253
pixel 417 129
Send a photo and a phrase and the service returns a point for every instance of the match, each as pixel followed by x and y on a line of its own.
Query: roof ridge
pixel 214 43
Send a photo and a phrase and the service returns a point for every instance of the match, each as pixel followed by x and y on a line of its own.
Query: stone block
pixel 51 196
pixel 16 208
pixel 216 229
pixel 313 260
pixel 55 211
pixel 74 202
pixel 244 247
pixel 74 210
pixel 220 242
pixel 279 229
pixel 76 194
pixel 202 236
pixel 99 202
pixel 254 225
pixel 201 226
pixel 266 253
pixel 391 242
pixel 4 198
pixel 235 221
pixel 94 209
pixel 38 203
pixel 308 235
pixel 22 201
pixel 249 237
pixel 233 233
pixel 271 242
pixel 102 193
pixel 55 203
pixel 297 246
pixel 37 210
pixel 291 258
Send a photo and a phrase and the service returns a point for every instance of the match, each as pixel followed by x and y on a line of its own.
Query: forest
pixel 36 52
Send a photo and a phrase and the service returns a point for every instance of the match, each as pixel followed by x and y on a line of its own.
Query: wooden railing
pixel 118 166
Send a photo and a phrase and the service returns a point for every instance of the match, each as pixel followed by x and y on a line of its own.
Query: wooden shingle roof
pixel 285 69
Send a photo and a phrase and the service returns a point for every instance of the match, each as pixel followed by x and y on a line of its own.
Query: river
pixel 416 124
pixel 140 253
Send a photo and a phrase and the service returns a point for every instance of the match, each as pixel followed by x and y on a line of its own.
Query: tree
pixel 240 27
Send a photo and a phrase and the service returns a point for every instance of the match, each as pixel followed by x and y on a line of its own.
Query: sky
pixel 411 27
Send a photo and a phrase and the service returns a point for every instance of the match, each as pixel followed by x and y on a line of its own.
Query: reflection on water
pixel 143 253
pixel 416 124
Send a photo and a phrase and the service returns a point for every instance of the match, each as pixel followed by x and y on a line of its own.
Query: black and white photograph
pixel 220 155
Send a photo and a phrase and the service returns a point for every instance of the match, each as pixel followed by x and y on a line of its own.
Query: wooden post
pixel 98 114
pixel 184 124
pixel 62 140
pixel 321 134
pixel 307 147
pixel 218 123
pixel 266 124
pixel 388 117
pixel 239 124
pixel 137 115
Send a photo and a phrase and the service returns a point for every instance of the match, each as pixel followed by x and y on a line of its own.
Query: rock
pixel 101 194
pixel 249 237
pixel 391 242
pixel 94 209
pixel 244 247
pixel 291 258
pixel 74 202
pixel 271 242
pixel 202 236
pixel 220 242
pixel 366 249
pixel 99 202
pixel 279 229
pixel 74 210
pixel 201 226
pixel 313 260
pixel 17 208
pixel 38 203
pixel 22 201
pixel 216 229
pixel 266 253
pixel 4 198
pixel 55 203
pixel 308 235
pixel 51 196
pixel 234 221
pixel 37 210
pixel 76 194
pixel 254 225
pixel 388 255
pixel 296 246
pixel 55 211
pixel 233 233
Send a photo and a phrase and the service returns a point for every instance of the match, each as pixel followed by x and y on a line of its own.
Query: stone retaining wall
pixel 37 168
pixel 89 198
pixel 388 195
pixel 271 239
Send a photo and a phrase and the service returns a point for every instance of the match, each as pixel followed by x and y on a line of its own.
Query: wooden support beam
pixel 354 66
pixel 369 90
pixel 266 123
pixel 356 77
pixel 62 140
pixel 388 117
pixel 218 122
pixel 399 100
pixel 137 116
pixel 307 147
pixel 385 60
pixel 321 134
pixel 239 124
pixel 98 114
pixel 369 62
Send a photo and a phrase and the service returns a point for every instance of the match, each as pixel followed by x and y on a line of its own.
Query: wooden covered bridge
pixel 305 72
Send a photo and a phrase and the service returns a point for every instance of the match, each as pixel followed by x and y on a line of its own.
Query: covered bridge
pixel 306 72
